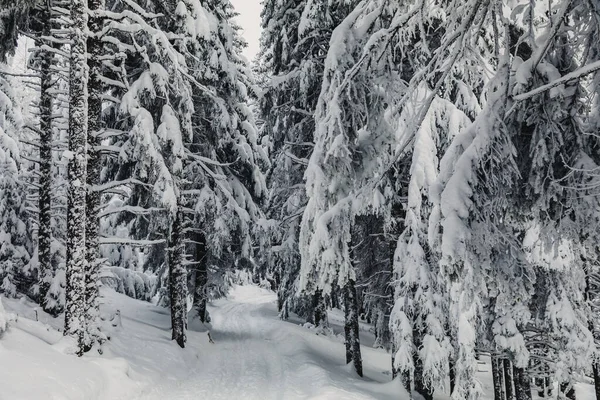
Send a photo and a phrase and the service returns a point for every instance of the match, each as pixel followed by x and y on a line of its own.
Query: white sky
pixel 249 19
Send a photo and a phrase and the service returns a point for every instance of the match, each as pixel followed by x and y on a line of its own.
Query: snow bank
pixel 255 355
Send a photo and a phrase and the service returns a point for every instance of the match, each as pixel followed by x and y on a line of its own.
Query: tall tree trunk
pixel 522 384
pixel 508 380
pixel 95 90
pixel 280 300
pixel 596 371
pixel 177 281
pixel 351 328
pixel 452 374
pixel 392 244
pixel 591 327
pixel 46 271
pixel 78 120
pixel 201 277
pixel 347 328
pixel 319 309
pixel 393 351
pixel 335 297
pixel 498 377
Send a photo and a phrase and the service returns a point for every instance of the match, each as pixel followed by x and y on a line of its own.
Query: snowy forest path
pixel 258 356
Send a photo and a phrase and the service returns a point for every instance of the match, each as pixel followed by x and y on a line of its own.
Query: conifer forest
pixel 393 199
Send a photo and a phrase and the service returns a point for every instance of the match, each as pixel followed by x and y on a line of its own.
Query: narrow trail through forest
pixel 258 356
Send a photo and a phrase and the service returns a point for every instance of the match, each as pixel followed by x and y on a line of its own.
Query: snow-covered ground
pixel 255 356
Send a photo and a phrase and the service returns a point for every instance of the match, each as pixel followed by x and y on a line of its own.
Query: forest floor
pixel 255 355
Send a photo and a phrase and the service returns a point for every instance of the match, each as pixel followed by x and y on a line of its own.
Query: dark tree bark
pixel 351 328
pixel 452 375
pixel 522 384
pixel 588 295
pixel 76 214
pixel 95 91
pixel 392 244
pixel 406 380
pixel 596 371
pixel 177 281
pixel 393 351
pixel 280 300
pixel 347 329
pixel 320 311
pixel 46 270
pixel 334 295
pixel 201 277
pixel 498 377
pixel 508 380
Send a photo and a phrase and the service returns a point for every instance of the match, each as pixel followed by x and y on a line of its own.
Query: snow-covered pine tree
pixel 551 94
pixel 522 205
pixel 42 26
pixel 75 323
pixel 292 62
pixel 190 126
pixel 441 107
pixel 419 316
pixel 96 91
pixel 350 106
pixel 15 242
pixel 45 61
pixel 224 160
pixel 461 256
pixel 35 19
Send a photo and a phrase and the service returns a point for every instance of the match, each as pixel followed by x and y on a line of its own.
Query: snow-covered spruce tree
pixel 419 316
pixel 551 110
pixel 346 168
pixel 203 153
pixel 45 60
pixel 465 259
pixel 292 54
pixel 28 16
pixel 42 167
pixel 78 124
pixel 350 129
pixel 15 242
pixel 525 212
pixel 14 255
pixel 186 41
pixel 46 139
pixel 224 181
pixel 419 321
pixel 43 25
pixel 96 89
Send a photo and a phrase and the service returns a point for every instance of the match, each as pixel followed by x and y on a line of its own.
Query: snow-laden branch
pixel 114 184
pixel 19 75
pixel 301 161
pixel 130 242
pixel 208 160
pixel 130 209
pixel 588 69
